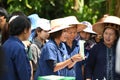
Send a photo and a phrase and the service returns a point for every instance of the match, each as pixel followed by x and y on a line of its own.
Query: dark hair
pixel 5 33
pixel 18 25
pixel 38 29
pixel 3 12
pixel 20 13
pixel 55 34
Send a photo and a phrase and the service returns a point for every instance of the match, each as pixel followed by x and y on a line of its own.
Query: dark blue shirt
pixel 96 65
pixel 76 71
pixel 17 63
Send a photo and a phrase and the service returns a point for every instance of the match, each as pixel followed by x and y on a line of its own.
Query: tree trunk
pixel 117 8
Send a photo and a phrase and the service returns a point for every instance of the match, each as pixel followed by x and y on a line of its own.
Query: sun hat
pixel 63 23
pixel 43 24
pixel 33 19
pixel 88 29
pixel 99 26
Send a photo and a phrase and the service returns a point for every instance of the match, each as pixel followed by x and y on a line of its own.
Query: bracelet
pixel 71 59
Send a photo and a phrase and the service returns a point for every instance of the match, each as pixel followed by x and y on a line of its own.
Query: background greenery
pixel 90 10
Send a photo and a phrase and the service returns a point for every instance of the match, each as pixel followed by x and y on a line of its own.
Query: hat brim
pixel 58 28
pixel 61 27
pixel 99 26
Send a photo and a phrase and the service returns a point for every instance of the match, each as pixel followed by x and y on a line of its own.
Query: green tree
pixel 90 10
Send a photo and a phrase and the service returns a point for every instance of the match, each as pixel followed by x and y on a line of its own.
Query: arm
pixel 69 62
pixel 90 63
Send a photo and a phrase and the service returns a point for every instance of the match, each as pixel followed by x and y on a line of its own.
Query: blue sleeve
pixel 22 65
pixel 51 52
pixel 90 63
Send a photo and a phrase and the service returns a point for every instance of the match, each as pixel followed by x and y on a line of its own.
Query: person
pixel 53 55
pixel 117 68
pixel 72 47
pixel 17 62
pixel 33 19
pixel 39 39
pixel 3 23
pixel 101 61
pixel 2 63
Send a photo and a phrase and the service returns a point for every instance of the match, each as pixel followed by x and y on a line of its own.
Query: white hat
pixel 89 27
pixel 99 26
pixel 63 23
pixel 43 24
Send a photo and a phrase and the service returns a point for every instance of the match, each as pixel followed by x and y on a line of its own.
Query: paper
pixel 81 44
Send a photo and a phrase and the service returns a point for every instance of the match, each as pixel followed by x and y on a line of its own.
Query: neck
pixel 41 40
pixel 108 45
pixel 57 41
pixel 69 43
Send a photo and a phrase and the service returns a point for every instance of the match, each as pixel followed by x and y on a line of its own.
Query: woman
pixel 39 39
pixel 101 61
pixel 53 61
pixel 17 61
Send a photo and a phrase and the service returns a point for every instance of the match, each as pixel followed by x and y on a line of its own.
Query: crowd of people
pixel 31 47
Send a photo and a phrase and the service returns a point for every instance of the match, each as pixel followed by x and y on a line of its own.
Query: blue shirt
pixel 76 71
pixel 50 51
pixel 17 63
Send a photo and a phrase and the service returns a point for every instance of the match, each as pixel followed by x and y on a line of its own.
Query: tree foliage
pixel 89 10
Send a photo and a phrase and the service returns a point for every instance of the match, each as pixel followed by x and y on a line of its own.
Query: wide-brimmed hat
pixel 43 24
pixel 88 29
pixel 63 23
pixel 99 26
pixel 33 19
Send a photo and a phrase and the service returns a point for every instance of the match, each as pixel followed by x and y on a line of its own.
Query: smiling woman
pixel 101 61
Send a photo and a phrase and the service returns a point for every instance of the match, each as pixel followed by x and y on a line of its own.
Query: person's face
pixel 63 37
pixel 2 21
pixel 84 35
pixel 43 34
pixel 27 33
pixel 71 33
pixel 109 36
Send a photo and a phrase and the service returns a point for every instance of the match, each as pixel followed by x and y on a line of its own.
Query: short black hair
pixel 3 12
pixel 18 25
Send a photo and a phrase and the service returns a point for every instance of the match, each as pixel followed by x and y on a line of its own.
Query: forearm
pixel 62 65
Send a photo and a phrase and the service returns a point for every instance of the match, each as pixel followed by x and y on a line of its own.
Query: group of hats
pixel 66 22
pixel 53 25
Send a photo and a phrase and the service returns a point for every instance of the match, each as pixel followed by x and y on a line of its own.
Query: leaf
pixel 8 1
pixel 26 2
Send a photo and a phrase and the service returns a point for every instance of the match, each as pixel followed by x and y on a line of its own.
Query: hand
pixel 77 58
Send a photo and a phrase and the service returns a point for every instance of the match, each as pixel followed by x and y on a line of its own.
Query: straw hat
pixel 63 23
pixel 99 26
pixel 89 27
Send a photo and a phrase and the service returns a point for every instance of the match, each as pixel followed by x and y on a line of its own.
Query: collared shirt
pixel 76 71
pixel 50 51
pixel 17 62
